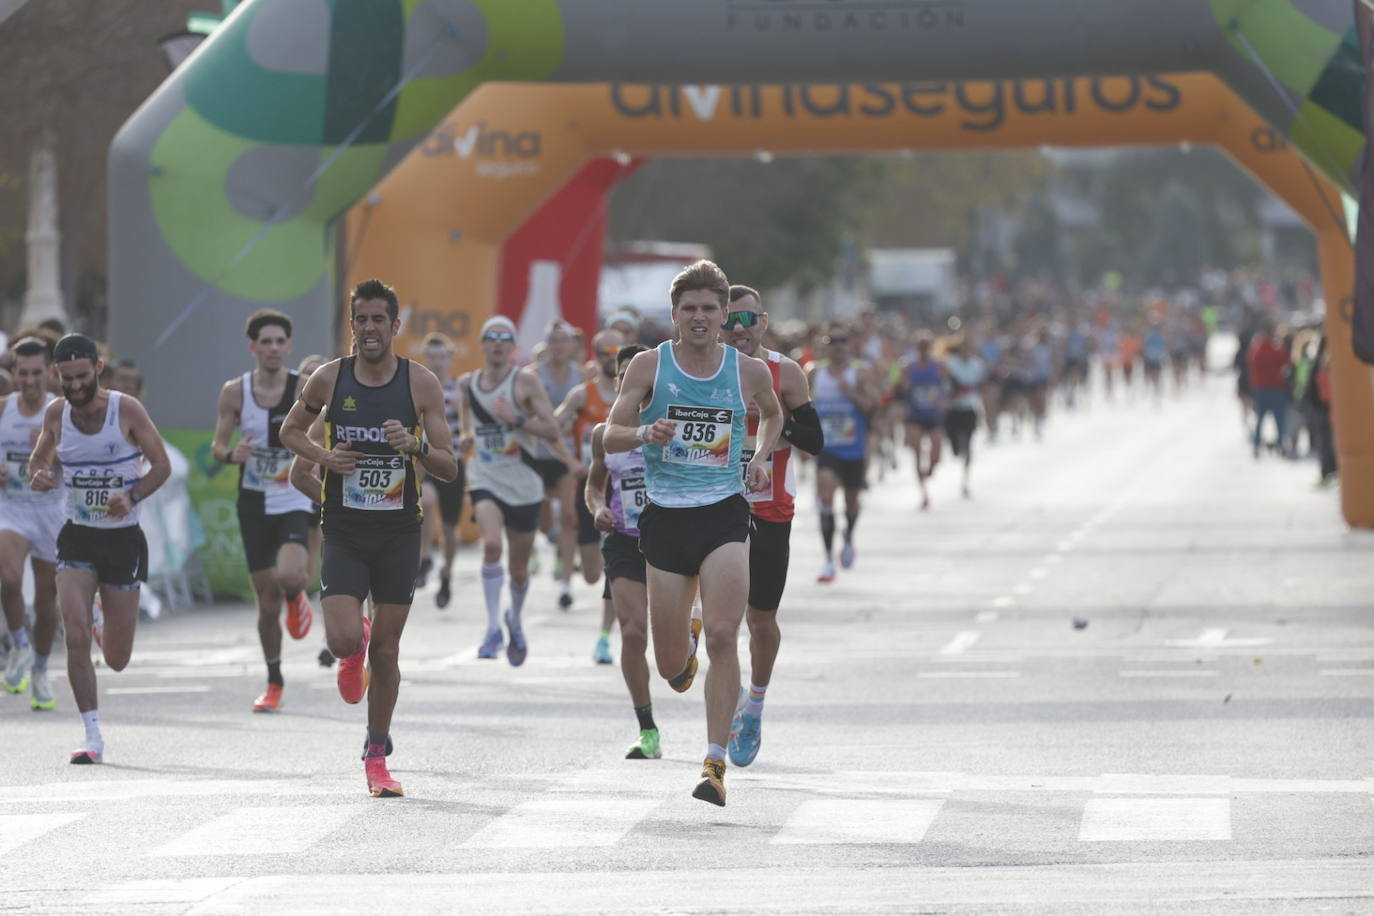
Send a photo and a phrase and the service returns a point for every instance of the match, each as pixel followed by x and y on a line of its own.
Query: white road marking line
pixel 985 617
pixel 1003 601
pixel 134 691
pixel 1025 588
pixel 936 675
pixel 1054 558
pixel 1348 672
pixel 1039 572
pixel 1215 638
pixel 826 821
pixel 260 831
pixel 547 823
pixel 1170 672
pixel 1137 820
pixel 18 829
pixel 1064 546
pixel 961 642
pixel 118 790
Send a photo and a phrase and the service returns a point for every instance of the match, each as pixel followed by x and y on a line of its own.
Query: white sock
pixel 92 722
pixel 754 705
pixel 716 751
pixel 493 577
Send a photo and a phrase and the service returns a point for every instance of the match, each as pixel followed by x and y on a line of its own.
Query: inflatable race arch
pixel 225 185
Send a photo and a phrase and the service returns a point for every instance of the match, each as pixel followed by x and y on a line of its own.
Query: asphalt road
pixel 939 738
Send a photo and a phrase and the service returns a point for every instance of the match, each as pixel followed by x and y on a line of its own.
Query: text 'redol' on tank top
pixel 628 495
pixel 265 477
pixel 503 459
pixel 777 503
pixel 925 387
pixel 18 434
pixel 384 488
pixel 701 465
pixel 595 409
pixel 557 392
pixel 95 467
pixel 842 422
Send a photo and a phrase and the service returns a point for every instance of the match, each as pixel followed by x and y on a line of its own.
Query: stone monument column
pixel 44 297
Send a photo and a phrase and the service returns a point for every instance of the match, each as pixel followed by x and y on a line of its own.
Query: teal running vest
pixel 701 465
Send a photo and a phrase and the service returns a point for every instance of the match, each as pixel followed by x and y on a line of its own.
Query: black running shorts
pixel 264 534
pixel 960 422
pixel 522 519
pixel 586 524
pixel 383 562
pixel 550 470
pixel 769 550
pixel 117 556
pixel 622 557
pixel 451 496
pixel 849 470
pixel 678 540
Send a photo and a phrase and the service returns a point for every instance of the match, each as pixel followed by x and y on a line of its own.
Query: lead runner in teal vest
pixel 695 530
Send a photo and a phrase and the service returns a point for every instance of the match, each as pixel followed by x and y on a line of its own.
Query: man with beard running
pixel 442 499
pixel 845 395
pixel 384 421
pixel 695 530
pixel 772 509
pixel 274 519
pixel 102 440
pixel 586 407
pixel 29 523
pixel 502 410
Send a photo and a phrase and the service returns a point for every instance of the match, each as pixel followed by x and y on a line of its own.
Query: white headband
pixel 498 321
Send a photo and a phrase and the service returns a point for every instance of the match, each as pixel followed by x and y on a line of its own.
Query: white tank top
pixel 98 466
pixel 268 469
pixel 18 434
pixel 503 459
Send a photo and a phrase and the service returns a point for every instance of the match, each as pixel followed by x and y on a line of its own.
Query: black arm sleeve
pixel 804 429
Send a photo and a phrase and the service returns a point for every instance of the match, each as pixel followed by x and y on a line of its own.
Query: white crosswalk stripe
pixel 260 831
pixel 835 821
pixel 558 822
pixel 1155 819
pixel 18 829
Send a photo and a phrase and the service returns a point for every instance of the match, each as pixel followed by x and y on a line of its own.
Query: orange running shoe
pixel 299 616
pixel 353 674
pixel 270 701
pixel 379 781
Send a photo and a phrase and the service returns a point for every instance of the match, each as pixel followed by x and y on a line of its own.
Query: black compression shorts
pixel 382 562
pixel 769 551
pixel 678 540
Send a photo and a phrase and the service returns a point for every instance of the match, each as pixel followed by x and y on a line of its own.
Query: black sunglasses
pixel 498 335
pixel 743 319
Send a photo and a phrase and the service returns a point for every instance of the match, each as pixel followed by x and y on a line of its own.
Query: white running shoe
pixel 17 669
pixel 42 692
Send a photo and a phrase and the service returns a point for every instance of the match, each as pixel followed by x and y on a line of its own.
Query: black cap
pixel 75 346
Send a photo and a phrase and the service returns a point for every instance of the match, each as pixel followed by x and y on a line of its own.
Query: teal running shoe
pixel 602 654
pixel 744 746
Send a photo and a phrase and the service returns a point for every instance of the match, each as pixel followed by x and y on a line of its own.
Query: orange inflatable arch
pixel 435 226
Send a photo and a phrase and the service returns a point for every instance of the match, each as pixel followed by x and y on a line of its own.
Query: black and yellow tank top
pixel 384 488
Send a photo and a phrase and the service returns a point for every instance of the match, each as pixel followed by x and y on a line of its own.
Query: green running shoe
pixel 646 748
